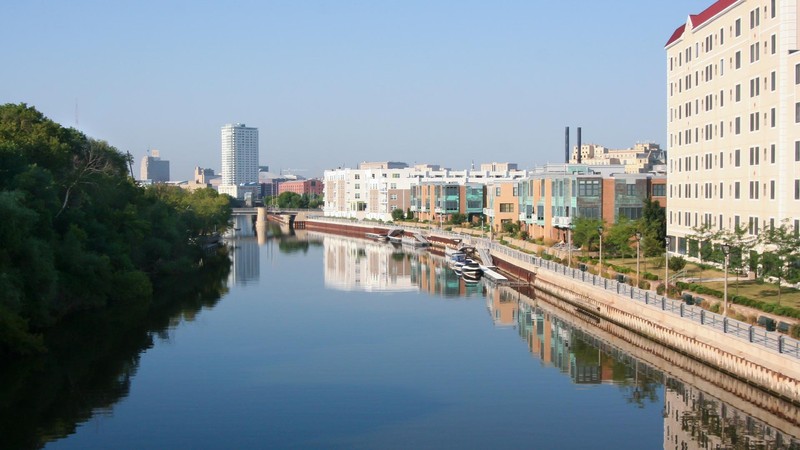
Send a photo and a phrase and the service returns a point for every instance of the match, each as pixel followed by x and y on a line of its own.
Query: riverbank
pixel 767 360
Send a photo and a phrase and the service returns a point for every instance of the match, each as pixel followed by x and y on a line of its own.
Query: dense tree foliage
pixel 77 232
pixel 293 200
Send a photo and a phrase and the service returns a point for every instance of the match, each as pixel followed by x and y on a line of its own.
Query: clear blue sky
pixel 332 83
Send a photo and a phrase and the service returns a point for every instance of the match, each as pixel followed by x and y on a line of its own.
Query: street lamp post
pixel 569 247
pixel 666 267
pixel 726 249
pixel 638 241
pixel 600 231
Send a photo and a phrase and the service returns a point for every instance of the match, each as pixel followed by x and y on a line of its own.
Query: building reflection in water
pixel 243 243
pixel 582 347
pixel 352 264
pixel 693 419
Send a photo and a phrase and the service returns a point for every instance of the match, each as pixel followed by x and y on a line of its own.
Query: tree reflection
pixel 94 356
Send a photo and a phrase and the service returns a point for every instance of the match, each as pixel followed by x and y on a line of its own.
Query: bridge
pixel 272 210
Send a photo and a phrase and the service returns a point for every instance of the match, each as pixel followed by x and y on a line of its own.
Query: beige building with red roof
pixel 733 119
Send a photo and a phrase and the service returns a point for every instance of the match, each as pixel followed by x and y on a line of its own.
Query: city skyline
pixel 347 82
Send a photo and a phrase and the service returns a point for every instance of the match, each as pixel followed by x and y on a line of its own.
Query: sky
pixel 331 83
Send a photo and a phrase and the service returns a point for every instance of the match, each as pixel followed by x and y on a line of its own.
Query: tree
pixel 619 238
pixel 584 232
pixel 409 214
pixel 397 215
pixel 457 218
pixel 781 249
pixel 677 263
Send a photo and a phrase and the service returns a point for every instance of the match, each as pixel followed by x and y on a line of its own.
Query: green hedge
pixel 780 310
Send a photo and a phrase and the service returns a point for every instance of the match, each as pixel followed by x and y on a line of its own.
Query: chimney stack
pixel 566 145
pixel 579 146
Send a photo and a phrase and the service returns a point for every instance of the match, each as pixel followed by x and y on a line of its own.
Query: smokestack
pixel 566 145
pixel 579 145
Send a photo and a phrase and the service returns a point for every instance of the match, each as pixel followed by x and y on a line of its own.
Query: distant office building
pixel 239 160
pixel 310 187
pixel 643 157
pixel 203 178
pixel 154 169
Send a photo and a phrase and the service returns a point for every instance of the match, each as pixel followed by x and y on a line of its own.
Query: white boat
pixel 471 267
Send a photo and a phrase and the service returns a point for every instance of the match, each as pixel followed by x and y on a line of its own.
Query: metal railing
pixel 756 335
pixel 748 333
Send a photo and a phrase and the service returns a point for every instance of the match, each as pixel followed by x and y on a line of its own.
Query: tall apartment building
pixel 733 112
pixel 239 160
pixel 154 169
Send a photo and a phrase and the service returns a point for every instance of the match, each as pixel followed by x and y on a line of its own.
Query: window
pixel 738 124
pixel 736 190
pixel 754 19
pixel 738 60
pixel 797 150
pixel 589 188
pixel 738 27
pixel 393 197
pixel 753 53
pixel 721 161
pixel 772 81
pixel 506 207
pixel 738 95
pixel 755 87
pixel 772 13
pixel 736 157
pixel 754 126
pixel 392 185
pixel 772 189
pixel 659 190
pixel 395 175
pixel 358 177
pixel 797 189
pixel 772 154
pixel 497 191
pixel 773 44
pixel 515 191
pixel 632 212
pixel 722 36
pixel 797 112
pixel 772 117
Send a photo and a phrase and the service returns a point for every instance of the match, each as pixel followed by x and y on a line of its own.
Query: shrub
pixel 650 276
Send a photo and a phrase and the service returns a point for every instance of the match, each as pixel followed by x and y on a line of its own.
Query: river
pixel 321 341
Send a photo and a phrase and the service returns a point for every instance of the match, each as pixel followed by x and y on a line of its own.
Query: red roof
pixel 703 17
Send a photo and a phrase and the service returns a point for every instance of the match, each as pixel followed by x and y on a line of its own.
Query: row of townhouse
pixel 546 202
pixel 543 201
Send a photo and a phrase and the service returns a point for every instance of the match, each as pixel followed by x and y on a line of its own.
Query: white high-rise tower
pixel 239 158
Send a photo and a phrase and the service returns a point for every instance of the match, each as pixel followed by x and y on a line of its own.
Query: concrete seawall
pixel 768 370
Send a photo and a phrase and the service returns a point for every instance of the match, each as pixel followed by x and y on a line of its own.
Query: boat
pixel 457 261
pixel 471 267
pixel 471 278
pixel 396 239
pixel 377 237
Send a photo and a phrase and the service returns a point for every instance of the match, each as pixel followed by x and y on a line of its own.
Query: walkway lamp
pixel 569 246
pixel 666 267
pixel 726 250
pixel 600 231
pixel 638 242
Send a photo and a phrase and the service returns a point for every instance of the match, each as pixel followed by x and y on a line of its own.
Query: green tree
pixel 619 240
pixel 781 251
pixel 397 214
pixel 584 233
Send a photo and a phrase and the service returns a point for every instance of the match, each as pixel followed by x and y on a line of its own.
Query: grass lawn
pixel 766 292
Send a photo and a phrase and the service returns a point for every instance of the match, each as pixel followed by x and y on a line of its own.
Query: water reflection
pixel 693 418
pixel 361 265
pixel 702 408
pixel 94 356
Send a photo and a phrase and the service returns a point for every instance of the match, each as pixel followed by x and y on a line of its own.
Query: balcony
pixel 562 222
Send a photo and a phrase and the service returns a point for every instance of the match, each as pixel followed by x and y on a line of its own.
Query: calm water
pixel 333 342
